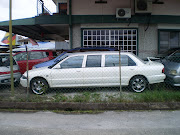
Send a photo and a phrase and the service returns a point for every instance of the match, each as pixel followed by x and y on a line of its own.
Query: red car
pixel 34 57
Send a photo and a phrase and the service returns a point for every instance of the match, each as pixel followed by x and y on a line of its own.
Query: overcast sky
pixel 20 9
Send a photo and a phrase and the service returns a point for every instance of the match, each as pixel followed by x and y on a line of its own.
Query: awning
pixel 40 28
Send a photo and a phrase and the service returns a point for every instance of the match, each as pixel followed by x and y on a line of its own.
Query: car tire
pixel 138 84
pixel 16 83
pixel 39 86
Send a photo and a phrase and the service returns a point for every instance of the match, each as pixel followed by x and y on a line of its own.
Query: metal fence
pixel 159 92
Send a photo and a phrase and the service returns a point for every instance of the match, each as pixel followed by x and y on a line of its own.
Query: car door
pixel 68 73
pixel 111 70
pixel 21 59
pixel 93 70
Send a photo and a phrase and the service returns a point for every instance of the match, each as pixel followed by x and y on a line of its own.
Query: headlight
pixel 173 72
pixel 24 77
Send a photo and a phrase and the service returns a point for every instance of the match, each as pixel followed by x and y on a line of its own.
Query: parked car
pixel 172 68
pixel 161 56
pixel 5 72
pixel 34 57
pixel 100 69
pixel 62 55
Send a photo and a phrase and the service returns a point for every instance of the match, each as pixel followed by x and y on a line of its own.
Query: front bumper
pixel 23 82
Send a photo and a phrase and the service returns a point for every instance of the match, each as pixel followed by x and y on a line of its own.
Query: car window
pixel 175 57
pixel 72 62
pixel 20 56
pixel 113 61
pixel 5 60
pixel 36 55
pixel 93 61
pixel 54 54
pixel 45 54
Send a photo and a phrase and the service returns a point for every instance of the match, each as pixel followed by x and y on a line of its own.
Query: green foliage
pixel 60 98
pixel 158 96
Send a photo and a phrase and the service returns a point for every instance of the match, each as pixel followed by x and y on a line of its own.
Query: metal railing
pixel 42 9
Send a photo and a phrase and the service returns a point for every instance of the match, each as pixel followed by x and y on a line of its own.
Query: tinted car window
pixel 45 54
pixel 175 57
pixel 21 56
pixel 73 62
pixel 113 61
pixel 93 61
pixel 54 54
pixel 36 55
pixel 5 60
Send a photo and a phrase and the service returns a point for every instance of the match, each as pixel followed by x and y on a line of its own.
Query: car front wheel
pixel 138 84
pixel 39 86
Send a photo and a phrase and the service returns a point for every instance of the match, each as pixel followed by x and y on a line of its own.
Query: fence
pixel 42 9
pixel 94 69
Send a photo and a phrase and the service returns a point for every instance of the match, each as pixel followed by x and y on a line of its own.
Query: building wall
pixel 147 33
pixel 88 7
pixel 147 40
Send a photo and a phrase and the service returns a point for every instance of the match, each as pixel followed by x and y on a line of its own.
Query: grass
pixel 158 96
pixel 160 93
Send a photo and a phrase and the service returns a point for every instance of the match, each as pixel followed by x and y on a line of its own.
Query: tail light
pixel 15 71
pixel 163 70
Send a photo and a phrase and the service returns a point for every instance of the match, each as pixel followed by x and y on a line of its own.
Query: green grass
pixel 160 93
pixel 158 96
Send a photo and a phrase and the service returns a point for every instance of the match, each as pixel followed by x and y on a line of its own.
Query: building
pixel 144 27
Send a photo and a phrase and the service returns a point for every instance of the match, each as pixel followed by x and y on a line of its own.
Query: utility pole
pixel 10 47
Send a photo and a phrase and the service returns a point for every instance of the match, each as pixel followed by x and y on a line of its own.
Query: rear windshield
pixel 5 60
pixel 175 57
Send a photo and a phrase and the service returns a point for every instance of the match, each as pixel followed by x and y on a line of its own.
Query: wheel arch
pixel 139 75
pixel 38 77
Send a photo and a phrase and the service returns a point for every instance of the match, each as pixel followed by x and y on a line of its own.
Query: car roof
pixel 99 52
pixel 36 51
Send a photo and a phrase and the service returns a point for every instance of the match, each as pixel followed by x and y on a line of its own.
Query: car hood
pixel 45 64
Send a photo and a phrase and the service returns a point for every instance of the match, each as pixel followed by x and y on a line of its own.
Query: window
pixel 124 39
pixel 45 54
pixel 20 56
pixel 113 61
pixel 93 61
pixel 168 40
pixel 5 60
pixel 73 62
pixel 54 54
pixel 36 55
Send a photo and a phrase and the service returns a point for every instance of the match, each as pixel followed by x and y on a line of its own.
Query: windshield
pixel 59 59
pixel 62 57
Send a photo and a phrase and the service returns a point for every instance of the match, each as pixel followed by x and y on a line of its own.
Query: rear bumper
pixel 156 78
pixel 173 80
pixel 6 79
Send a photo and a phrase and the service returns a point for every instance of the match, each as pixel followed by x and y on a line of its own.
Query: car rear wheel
pixel 39 86
pixel 138 84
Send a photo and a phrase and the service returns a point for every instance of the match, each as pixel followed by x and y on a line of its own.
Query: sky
pixel 20 9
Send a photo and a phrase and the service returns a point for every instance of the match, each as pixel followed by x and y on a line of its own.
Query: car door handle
pixel 78 71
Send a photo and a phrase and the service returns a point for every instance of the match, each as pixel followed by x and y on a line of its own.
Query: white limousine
pixel 95 69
